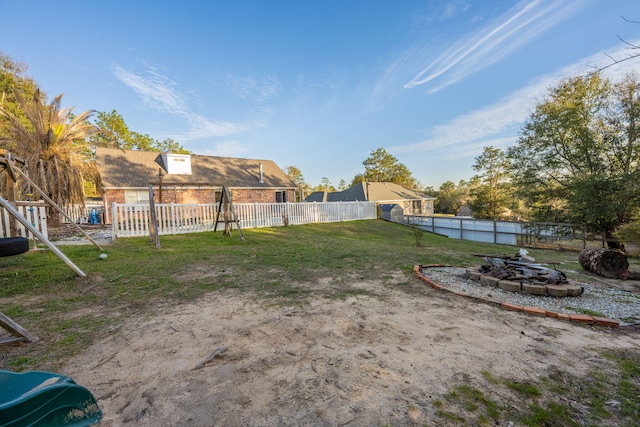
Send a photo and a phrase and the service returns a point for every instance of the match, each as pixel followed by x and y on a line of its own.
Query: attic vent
pixel 177 164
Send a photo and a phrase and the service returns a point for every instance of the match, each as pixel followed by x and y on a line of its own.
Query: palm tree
pixel 53 142
pixel 13 78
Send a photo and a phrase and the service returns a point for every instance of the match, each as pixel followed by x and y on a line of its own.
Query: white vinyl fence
pixel 543 234
pixel 477 230
pixel 34 212
pixel 133 220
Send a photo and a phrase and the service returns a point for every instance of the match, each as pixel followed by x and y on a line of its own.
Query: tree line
pixel 576 159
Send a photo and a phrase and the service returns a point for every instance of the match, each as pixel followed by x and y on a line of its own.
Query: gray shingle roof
pixel 371 192
pixel 137 169
pixel 316 196
pixel 378 191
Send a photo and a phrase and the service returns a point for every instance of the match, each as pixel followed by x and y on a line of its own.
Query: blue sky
pixel 320 84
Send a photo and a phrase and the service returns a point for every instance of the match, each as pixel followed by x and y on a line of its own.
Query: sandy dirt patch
pixel 361 361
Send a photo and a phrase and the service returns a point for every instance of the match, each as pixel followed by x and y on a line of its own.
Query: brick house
pixel 388 193
pixel 185 179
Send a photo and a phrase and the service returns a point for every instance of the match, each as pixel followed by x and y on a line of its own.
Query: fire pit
pixel 521 273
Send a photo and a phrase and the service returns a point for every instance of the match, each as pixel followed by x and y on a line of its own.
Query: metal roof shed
pixel 391 212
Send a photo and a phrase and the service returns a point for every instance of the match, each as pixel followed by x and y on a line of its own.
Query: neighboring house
pixel 412 202
pixel 184 179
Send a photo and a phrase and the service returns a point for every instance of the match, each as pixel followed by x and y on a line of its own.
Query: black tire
pixel 10 246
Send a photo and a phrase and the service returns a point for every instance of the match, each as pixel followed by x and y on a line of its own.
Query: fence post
pixel 254 214
pixel 287 213
pixel 114 225
pixel 495 232
pixel 173 218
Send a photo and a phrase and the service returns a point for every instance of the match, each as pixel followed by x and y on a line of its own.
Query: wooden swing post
pixel 229 214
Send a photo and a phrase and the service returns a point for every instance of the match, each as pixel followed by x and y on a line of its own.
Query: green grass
pixel 557 399
pixel 471 402
pixel 525 389
pixel 276 265
pixel 586 311
pixel 285 266
pixel 553 414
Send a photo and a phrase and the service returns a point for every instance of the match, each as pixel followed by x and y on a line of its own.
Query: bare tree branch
pixel 629 20
pixel 632 46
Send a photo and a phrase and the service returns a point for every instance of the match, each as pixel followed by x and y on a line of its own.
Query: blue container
pixel 93 217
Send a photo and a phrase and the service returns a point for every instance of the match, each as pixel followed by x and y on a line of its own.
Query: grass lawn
pixel 69 313
pixel 45 296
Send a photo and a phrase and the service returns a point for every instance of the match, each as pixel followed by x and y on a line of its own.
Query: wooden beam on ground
pixel 15 329
pixel 9 341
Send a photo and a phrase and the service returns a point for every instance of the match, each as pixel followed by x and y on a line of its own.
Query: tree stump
pixel 610 263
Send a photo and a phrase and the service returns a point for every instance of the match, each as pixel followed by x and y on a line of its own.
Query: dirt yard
pixel 365 361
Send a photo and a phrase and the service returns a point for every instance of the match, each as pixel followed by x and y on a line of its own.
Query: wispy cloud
pixel 488 126
pixel 253 87
pixel 159 92
pixel 201 127
pixel 155 89
pixel 493 42
pixel 415 66
pixel 231 148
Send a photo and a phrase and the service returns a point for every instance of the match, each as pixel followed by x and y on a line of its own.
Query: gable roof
pixel 369 192
pixel 317 196
pixel 379 191
pixel 137 169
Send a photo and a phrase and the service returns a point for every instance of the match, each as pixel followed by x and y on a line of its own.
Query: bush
pixel 629 233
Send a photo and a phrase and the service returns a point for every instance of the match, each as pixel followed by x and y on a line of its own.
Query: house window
pixel 281 196
pixel 417 207
pixel 136 197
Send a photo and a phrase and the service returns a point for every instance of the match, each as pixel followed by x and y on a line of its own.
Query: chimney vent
pixel 261 179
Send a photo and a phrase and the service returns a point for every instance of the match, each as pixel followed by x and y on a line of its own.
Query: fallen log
pixel 610 263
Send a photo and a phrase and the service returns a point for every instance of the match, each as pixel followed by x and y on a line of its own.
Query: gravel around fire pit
pixel 596 300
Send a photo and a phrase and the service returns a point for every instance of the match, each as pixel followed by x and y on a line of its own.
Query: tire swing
pixel 10 246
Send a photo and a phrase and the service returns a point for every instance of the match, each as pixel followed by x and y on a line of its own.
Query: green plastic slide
pixel 45 399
